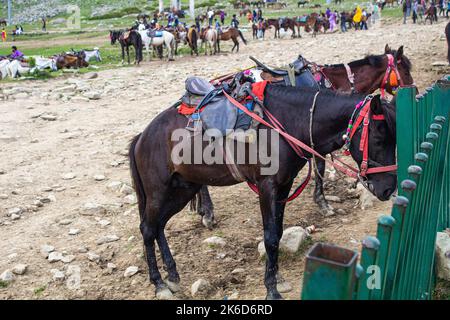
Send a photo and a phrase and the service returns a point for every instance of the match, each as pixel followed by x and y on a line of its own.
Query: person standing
pixel 414 10
pixel 234 22
pixel 4 35
pixel 441 7
pixel 210 17
pixel 44 24
pixel 222 17
pixel 406 10
pixel 332 20
pixel 343 21
pixel 375 14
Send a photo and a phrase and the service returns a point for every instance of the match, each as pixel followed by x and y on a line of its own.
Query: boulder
pixel 200 286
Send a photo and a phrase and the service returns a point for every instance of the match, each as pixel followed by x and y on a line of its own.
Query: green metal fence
pixel 399 262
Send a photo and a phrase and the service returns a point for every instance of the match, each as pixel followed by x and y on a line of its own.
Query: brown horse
pixel 368 77
pixel 71 61
pixel 288 23
pixel 192 37
pixel 276 24
pixel 164 185
pixel 307 22
pixel 231 34
pixel 256 27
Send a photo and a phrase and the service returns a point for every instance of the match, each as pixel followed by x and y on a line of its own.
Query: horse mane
pixel 373 60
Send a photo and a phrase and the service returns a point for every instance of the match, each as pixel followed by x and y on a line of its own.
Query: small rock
pixel 74 232
pixel 114 186
pixel 126 189
pixel 46 250
pixel 92 95
pixel 130 199
pixel 164 294
pixel 68 258
pixel 69 176
pixel 15 216
pixel 440 64
pixel 48 117
pixel 57 275
pixel 238 270
pixel 90 209
pixel 366 199
pixel 20 269
pixel 261 249
pixel 12 256
pixel 104 222
pixel 107 239
pixel 199 286
pixel 333 198
pixel 54 256
pixel 92 75
pixel 16 211
pixel 3 196
pixel 65 222
pixel 92 256
pixel 130 271
pixel 38 203
pixel 47 189
pixel 99 177
pixel 215 241
pixel 234 296
pixel 111 266
pixel 7 276
pixel 131 238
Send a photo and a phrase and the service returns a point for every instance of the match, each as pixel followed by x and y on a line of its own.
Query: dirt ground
pixel 61 161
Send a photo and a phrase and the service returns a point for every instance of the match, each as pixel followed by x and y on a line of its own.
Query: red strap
pixel 350 172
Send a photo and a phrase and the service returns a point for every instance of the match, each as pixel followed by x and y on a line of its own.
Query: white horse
pixel 95 53
pixel 211 38
pixel 4 68
pixel 167 38
pixel 44 63
pixel 15 69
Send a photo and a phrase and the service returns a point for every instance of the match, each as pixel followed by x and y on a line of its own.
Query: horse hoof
pixel 164 294
pixel 173 286
pixel 208 223
pixel 274 296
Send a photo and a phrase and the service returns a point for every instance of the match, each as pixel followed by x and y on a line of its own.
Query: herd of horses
pixel 141 36
pixel 310 122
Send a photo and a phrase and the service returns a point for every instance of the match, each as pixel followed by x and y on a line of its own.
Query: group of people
pixel 17 31
pixel 418 8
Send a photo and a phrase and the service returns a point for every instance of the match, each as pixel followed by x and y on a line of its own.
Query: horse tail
pixel 137 182
pixel 139 46
pixel 242 37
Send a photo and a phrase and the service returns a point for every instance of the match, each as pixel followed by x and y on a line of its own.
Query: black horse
pixel 126 39
pixel 164 186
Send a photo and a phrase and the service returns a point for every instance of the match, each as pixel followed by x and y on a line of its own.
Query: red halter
pixel 391 70
pixel 364 117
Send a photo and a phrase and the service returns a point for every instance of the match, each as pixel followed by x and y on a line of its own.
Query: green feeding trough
pixel 330 273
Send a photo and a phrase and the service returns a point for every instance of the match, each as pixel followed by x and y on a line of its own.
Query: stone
pixel 54 256
pixel 107 239
pixel 92 95
pixel 92 75
pixel 126 189
pixel 92 256
pixel 234 296
pixel 290 242
pixel 99 177
pixel 200 286
pixel 366 199
pixel 46 250
pixel 443 255
pixel 16 211
pixel 68 258
pixel 238 271
pixel 20 269
pixel 261 249
pixel 48 117
pixel 3 196
pixel 111 266
pixel 440 64
pixel 38 203
pixel 15 216
pixel 90 209
pixel 68 176
pixel 333 198
pixel 73 232
pixel 7 276
pixel 104 222
pixel 57 275
pixel 215 241
pixel 130 199
pixel 130 271
pixel 114 186
pixel 65 222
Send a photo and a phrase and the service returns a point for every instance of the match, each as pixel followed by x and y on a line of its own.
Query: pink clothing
pixel 332 21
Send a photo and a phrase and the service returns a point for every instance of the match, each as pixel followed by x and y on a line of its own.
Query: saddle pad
pixel 198 86
pixel 302 19
pixel 219 114
pixel 125 35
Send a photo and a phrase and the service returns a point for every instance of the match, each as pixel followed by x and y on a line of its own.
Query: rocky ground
pixel 68 216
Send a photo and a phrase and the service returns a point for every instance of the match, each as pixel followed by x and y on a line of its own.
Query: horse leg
pixel 123 54
pixel 128 54
pixel 319 197
pixel 267 198
pixel 205 207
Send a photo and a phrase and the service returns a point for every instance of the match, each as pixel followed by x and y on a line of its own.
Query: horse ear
pixel 387 49
pixel 399 53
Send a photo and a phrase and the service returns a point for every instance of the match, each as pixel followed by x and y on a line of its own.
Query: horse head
pixel 403 66
pixel 374 156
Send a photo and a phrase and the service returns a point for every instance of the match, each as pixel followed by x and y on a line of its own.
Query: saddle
pixel 296 74
pixel 125 35
pixel 154 33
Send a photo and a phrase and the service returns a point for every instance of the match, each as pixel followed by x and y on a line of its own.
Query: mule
pixel 164 186
pixel 231 34
pixel 127 39
pixel 192 40
pixel 368 76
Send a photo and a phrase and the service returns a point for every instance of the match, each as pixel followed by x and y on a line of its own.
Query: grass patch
pixel 117 13
pixel 3 284
pixel 39 290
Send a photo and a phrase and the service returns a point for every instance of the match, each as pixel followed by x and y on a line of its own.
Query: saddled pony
pixel 275 23
pixel 126 39
pixel 259 27
pixel 167 39
pixel 231 34
pixel 288 23
pixel 307 22
pixel 164 185
pixel 368 76
pixel 192 39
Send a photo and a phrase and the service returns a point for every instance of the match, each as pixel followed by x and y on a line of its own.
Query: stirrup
pixel 194 123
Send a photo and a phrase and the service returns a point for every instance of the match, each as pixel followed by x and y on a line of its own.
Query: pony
pixel 164 186
pixel 276 24
pixel 44 63
pixel 192 39
pixel 368 76
pixel 127 39
pixel 255 29
pixel 71 61
pixel 231 34
pixel 15 69
pixel 210 38
pixel 92 54
pixel 4 68
pixel 167 38
pixel 288 23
